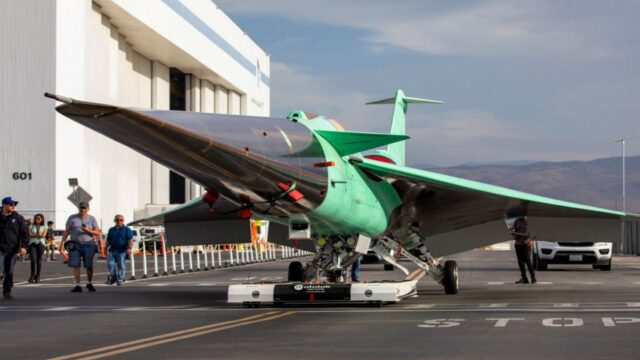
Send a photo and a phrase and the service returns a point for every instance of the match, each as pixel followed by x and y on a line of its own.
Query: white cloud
pixel 489 28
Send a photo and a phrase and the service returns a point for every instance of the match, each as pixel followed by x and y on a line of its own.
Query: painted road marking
pixel 566 305
pixel 496 283
pixel 61 308
pixel 502 322
pixel 493 306
pixel 206 284
pixel 441 323
pixel 159 284
pixel 419 306
pixel 173 336
pixel 243 278
pixel 563 322
pixel 633 304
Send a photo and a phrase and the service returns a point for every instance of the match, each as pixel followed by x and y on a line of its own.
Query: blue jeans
pixel 355 269
pixel 116 262
pixel 82 254
pixel 7 261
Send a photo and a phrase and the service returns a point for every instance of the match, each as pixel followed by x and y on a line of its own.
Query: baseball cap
pixel 83 205
pixel 8 201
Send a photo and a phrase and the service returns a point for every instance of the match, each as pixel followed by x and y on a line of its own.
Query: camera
pixel 70 246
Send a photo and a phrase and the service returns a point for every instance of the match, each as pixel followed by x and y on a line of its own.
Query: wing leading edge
pixel 454 211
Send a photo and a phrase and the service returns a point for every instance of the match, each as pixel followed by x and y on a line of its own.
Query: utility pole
pixel 624 197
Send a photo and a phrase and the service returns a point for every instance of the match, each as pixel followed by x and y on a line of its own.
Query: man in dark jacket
pixel 523 250
pixel 13 240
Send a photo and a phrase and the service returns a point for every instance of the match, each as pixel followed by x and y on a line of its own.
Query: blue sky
pixel 543 80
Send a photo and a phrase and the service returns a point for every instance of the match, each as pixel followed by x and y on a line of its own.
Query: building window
pixel 177 101
pixel 178 90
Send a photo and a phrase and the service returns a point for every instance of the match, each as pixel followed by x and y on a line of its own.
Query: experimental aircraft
pixel 329 190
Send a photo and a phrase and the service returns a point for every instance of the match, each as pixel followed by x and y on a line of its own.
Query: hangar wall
pixel 27 69
pixel 115 52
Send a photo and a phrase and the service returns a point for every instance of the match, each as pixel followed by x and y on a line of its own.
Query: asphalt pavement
pixel 573 312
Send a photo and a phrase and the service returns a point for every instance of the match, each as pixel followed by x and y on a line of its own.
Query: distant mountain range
pixel 597 182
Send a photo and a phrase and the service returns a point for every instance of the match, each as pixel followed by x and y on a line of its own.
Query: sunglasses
pixel 119 220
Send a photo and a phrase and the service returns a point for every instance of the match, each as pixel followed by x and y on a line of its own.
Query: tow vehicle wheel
pixel 389 267
pixel 450 279
pixel 296 271
pixel 606 267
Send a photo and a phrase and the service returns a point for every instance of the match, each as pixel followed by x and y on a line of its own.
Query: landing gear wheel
pixel 389 267
pixel 450 279
pixel 296 271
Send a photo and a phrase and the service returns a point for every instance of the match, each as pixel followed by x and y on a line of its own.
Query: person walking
pixel 119 243
pixel 37 235
pixel 82 228
pixel 355 269
pixel 50 246
pixel 523 250
pixel 13 240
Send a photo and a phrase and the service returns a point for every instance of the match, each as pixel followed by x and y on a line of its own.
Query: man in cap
pixel 13 240
pixel 83 229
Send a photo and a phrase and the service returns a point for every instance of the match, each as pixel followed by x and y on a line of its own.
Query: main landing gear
pixel 446 274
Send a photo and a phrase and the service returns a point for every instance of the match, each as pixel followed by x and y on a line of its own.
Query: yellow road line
pixel 173 336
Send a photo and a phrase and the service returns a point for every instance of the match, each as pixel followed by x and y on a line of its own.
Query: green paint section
pixel 350 142
pixel 384 169
pixel 397 150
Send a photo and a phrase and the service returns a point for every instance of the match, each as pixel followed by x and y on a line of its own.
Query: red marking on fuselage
pixel 380 158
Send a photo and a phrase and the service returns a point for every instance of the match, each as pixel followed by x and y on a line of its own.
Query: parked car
pixel 596 254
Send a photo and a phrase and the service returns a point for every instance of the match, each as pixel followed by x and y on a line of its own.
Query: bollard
pixel 181 259
pixel 173 259
pixel 255 252
pixel 230 256
pixel 155 259
pixel 243 251
pixel 213 259
pixel 219 248
pixel 191 259
pixel 237 254
pixel 282 249
pixel 144 260
pixel 251 259
pixel 206 260
pixel 197 257
pixel 164 257
pixel 133 265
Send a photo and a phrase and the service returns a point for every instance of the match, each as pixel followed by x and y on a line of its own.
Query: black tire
pixel 296 271
pixel 389 267
pixel 450 279
pixel 539 265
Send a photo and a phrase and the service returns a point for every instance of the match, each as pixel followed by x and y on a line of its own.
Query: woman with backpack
pixel 37 235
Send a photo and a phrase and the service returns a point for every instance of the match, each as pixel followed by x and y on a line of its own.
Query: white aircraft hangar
pixel 163 54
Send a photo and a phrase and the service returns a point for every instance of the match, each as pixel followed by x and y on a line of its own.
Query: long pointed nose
pixel 245 153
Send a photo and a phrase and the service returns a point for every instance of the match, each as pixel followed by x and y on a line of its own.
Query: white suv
pixel 547 252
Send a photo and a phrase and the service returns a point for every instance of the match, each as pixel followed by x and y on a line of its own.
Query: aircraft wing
pixel 198 223
pixel 457 214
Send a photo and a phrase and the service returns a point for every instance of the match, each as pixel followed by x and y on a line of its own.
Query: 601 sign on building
pixel 21 176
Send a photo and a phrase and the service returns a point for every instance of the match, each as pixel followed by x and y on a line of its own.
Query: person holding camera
pixel 523 250
pixel 81 248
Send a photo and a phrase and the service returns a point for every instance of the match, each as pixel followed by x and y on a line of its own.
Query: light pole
pixel 623 142
pixel 624 197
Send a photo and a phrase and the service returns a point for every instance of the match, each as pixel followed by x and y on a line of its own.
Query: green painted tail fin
pixel 397 150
